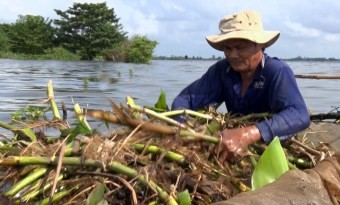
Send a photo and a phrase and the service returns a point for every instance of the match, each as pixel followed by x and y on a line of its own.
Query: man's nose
pixel 232 52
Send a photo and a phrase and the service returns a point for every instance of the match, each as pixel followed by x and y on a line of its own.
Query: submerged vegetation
pixel 57 53
pixel 145 157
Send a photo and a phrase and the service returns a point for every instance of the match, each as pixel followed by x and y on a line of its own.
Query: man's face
pixel 243 55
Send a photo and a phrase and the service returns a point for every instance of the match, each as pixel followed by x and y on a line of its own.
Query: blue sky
pixel 309 28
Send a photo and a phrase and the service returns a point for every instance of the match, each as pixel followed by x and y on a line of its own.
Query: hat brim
pixel 260 37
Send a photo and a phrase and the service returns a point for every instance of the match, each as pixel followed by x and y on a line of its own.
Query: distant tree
pixel 4 41
pixel 30 34
pixel 140 49
pixel 88 28
pixel 118 52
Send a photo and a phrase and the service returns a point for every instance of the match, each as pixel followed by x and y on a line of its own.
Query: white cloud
pixel 144 24
pixel 171 6
pixel 298 30
pixel 86 1
pixel 332 37
pixel 134 19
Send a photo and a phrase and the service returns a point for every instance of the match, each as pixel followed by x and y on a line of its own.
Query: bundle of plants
pixel 148 158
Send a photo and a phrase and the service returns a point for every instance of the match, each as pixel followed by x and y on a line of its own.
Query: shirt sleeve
pixel 203 92
pixel 285 100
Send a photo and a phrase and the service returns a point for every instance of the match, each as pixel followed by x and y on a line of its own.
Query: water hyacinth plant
pixel 148 158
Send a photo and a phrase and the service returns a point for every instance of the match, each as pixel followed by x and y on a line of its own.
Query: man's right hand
pixel 235 141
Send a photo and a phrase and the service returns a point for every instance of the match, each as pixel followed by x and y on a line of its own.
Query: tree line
pixel 85 31
pixel 299 58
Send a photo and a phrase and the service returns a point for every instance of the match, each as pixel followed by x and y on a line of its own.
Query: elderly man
pixel 248 81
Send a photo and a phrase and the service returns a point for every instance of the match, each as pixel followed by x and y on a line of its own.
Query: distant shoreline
pixel 219 58
pixel 40 57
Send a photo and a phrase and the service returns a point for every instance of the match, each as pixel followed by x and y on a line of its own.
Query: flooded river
pixel 24 82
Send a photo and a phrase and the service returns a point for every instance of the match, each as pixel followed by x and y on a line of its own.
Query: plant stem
pixel 35 193
pixel 157 150
pixel 72 161
pixel 81 117
pixel 185 111
pixel 300 162
pixel 25 131
pixel 77 161
pixel 131 173
pixel 252 160
pixel 198 136
pixel 57 197
pixel 253 116
pixel 26 181
pixel 53 104
pixel 157 115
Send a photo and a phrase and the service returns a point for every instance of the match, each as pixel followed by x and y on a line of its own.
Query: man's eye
pixel 241 47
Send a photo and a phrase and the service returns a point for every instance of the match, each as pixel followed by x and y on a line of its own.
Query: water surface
pixel 24 82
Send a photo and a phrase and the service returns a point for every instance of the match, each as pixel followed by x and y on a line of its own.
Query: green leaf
pixel 184 198
pixel 65 132
pixel 103 202
pixel 272 164
pixel 97 195
pixel 107 124
pixel 130 101
pixel 29 134
pixel 81 128
pixel 81 118
pixel 161 103
pixel 213 127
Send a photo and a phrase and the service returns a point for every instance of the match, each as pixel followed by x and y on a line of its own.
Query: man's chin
pixel 243 70
pixel 237 68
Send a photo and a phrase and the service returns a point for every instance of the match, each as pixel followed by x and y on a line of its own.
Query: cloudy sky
pixel 309 28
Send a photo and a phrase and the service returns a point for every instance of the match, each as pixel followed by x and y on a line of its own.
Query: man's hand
pixel 234 141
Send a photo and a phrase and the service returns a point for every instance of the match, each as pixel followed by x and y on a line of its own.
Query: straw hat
pixel 242 25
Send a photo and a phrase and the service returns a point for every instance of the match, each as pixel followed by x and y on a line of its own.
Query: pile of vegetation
pixel 148 158
pixel 85 31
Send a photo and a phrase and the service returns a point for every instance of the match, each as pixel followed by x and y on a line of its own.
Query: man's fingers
pixel 223 157
pixel 217 149
pixel 243 152
pixel 233 158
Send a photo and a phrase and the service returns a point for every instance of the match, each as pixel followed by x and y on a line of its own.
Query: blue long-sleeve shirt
pixel 274 89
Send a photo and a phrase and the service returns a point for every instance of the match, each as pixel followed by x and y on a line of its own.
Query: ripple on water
pixel 24 82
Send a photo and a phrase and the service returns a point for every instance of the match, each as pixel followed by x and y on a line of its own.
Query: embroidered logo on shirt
pixel 258 85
